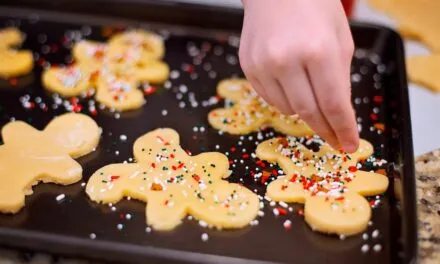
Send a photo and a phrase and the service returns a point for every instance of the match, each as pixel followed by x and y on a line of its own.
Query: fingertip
pixel 351 146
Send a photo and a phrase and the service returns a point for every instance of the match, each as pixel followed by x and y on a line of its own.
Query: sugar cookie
pixel 416 18
pixel 69 81
pixel 10 37
pixel 175 184
pixel 424 70
pixel 15 63
pixel 151 45
pixel 29 156
pixel 250 113
pixel 119 92
pixel 89 52
pixel 328 182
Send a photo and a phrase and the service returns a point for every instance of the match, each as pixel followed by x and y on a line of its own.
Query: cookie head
pixel 76 134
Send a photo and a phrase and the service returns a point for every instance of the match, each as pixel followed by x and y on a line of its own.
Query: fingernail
pixel 350 147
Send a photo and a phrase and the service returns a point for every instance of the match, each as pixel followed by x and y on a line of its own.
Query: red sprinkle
pixel 13 82
pixel 114 178
pixel 196 178
pixel 373 117
pixel 294 177
pixel 283 187
pixel 281 211
pixel 245 156
pixel 378 99
pixel 264 177
pixel 233 149
pixel 300 212
pixel 352 169
pixel 340 198
pixel 153 165
pixel 149 90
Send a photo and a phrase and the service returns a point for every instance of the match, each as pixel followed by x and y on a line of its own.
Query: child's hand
pixel 297 55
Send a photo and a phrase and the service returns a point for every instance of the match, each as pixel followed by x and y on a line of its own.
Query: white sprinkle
pixel 190 216
pixel 60 197
pixel 287 224
pixel 120 226
pixel 92 236
pixel 113 209
pixel 203 223
pixel 272 203
pixel 202 129
pixel 365 248
pixel 123 137
pixel 204 237
pixel 375 234
pixel 83 184
pixel 217 147
pixel 148 229
pixel 370 223
pixel 117 152
pixel 283 204
pixel 377 247
pixel 174 74
pixel 164 112
pixel 128 216
pixel 260 213
pixel 365 236
pixel 276 212
pixel 195 129
pixel 254 222
pixel 342 237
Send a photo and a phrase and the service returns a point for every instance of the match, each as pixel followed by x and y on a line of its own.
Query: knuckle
pixel 316 50
pixel 306 112
pixel 277 56
pixel 332 107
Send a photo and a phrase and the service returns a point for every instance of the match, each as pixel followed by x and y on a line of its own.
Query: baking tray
pixel 379 95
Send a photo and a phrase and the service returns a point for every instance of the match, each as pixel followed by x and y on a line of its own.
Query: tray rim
pixel 409 219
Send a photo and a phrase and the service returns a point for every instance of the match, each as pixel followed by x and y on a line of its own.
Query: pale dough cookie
pixel 425 70
pixel 174 184
pixel 417 19
pixel 89 52
pixel 15 63
pixel 10 37
pixel 119 92
pixel 328 182
pixel 150 44
pixel 29 156
pixel 250 113
pixel 132 62
pixel 71 80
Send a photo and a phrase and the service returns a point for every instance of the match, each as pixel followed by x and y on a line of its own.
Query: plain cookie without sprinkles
pixel 47 155
pixel 175 184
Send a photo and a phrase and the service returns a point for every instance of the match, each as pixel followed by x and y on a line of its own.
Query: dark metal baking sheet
pixel 64 228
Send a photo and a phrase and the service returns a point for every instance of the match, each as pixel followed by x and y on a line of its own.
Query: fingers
pixel 300 95
pixel 330 79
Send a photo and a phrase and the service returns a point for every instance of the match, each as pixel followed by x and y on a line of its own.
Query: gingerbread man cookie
pixel 175 184
pixel 13 63
pixel 150 45
pixel 250 113
pixel 328 182
pixel 29 156
pixel 115 70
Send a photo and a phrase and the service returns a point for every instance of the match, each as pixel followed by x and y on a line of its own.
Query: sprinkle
pixel 128 216
pixel 365 248
pixel 120 226
pixel 148 229
pixel 205 237
pixel 203 223
pixel 375 234
pixel 365 236
pixel 377 247
pixel 60 197
pixel 164 112
pixel 342 237
pixel 281 211
pixel 287 224
pixel 92 236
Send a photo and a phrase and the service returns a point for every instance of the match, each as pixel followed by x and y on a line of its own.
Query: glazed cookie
pixel 175 184
pixel 15 63
pixel 327 181
pixel 250 113
pixel 10 37
pixel 119 92
pixel 150 44
pixel 71 80
pixel 47 156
